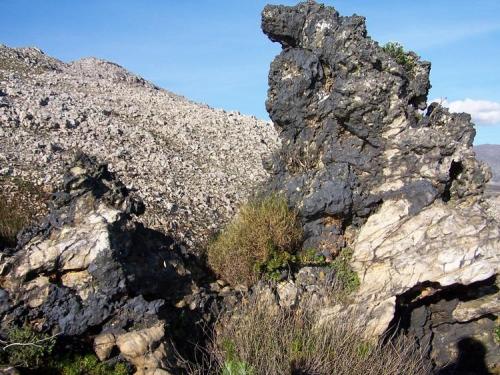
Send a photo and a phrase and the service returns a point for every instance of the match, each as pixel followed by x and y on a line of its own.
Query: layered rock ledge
pixel 91 275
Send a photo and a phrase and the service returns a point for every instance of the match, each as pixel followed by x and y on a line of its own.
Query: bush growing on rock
pixel 264 233
pixel 396 50
pixel 27 348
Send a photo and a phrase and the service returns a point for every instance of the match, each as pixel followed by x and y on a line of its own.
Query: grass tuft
pixel 261 239
pixel 258 340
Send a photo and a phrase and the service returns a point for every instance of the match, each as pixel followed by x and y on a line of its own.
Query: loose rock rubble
pixel 191 164
pixel 369 170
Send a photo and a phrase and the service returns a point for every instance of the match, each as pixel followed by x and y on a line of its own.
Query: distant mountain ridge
pixel 490 154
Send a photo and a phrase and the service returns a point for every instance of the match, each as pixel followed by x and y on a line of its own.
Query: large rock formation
pixel 90 273
pixel 368 169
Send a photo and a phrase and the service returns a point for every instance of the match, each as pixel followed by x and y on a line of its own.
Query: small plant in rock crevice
pixel 345 275
pixel 405 59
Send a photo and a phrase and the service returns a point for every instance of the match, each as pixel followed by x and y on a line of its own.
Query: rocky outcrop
pixel 371 166
pixel 191 164
pixel 89 272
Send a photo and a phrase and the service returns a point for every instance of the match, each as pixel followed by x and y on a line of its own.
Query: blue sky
pixel 213 51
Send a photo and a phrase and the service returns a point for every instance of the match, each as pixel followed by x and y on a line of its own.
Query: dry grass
pixel 20 203
pixel 264 229
pixel 291 342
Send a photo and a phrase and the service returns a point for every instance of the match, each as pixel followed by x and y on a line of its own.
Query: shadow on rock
pixel 470 359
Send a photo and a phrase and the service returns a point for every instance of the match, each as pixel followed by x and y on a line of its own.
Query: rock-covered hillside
pixel 191 164
pixel 397 239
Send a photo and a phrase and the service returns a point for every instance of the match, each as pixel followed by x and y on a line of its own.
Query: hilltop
pixel 192 164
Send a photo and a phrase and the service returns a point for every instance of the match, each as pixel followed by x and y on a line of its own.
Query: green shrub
pixel 396 50
pixel 87 364
pixel 27 348
pixel 261 239
pixel 284 342
pixel 235 367
pixel 345 275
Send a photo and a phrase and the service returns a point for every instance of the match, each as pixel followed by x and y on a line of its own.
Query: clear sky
pixel 213 51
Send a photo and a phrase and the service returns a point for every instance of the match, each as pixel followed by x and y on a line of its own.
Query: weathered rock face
pixel 89 271
pixel 369 170
pixel 352 133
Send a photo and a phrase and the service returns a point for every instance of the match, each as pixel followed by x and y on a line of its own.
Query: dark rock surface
pixel 351 127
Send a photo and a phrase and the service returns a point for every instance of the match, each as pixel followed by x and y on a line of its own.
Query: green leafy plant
pixel 347 278
pixel 87 364
pixel 261 239
pixel 397 51
pixel 236 367
pixel 25 347
pixel 232 365
pixel 311 257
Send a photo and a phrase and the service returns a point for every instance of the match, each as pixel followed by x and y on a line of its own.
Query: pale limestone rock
pixel 193 165
pixel 287 293
pixel 444 243
pixel 104 344
pixel 72 247
pixel 144 349
pixel 37 291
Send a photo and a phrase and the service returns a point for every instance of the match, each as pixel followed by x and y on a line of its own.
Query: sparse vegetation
pixel 17 65
pixel 397 51
pixel 262 239
pixel 31 350
pixel 20 203
pixel 261 341
pixel 345 275
pixel 85 365
pixel 26 348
